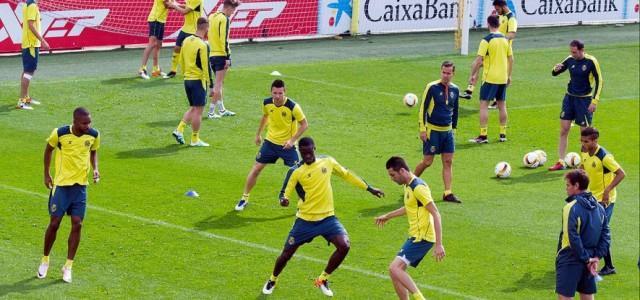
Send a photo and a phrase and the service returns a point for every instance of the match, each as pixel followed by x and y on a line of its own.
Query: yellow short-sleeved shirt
pixel 72 155
pixel 282 120
pixel 417 196
pixel 158 12
pixel 495 49
pixel 191 19
pixel 30 12
pixel 600 168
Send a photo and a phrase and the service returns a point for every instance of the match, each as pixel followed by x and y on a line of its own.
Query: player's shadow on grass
pixel 529 176
pixel 233 219
pixel 528 281
pixel 151 152
pixel 376 211
pixel 164 124
pixel 25 286
pixel 139 82
pixel 5 109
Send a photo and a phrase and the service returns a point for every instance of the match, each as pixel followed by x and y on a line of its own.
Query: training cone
pixel 275 73
pixel 191 193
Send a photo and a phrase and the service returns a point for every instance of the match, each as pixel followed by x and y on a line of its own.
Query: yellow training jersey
pixel 313 185
pixel 73 155
pixel 600 168
pixel 219 35
pixel 194 59
pixel 158 12
pixel 282 120
pixel 30 12
pixel 508 23
pixel 495 49
pixel 191 19
pixel 417 196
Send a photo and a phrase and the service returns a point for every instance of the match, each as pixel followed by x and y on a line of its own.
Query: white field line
pixel 240 242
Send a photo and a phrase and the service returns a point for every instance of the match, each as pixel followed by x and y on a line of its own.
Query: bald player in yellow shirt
pixel 192 10
pixel 76 148
pixel 425 227
pixel 495 56
pixel 286 122
pixel 604 174
pixel 315 217
pixel 156 19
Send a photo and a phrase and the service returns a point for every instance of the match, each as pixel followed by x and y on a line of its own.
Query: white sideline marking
pixel 241 242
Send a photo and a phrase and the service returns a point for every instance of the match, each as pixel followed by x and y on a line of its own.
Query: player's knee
pixel 447 161
pixel 54 225
pixel 427 162
pixel 344 247
pixel 27 76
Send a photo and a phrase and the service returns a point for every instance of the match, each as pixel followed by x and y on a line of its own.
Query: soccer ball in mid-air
pixel 572 160
pixel 542 156
pixel 531 160
pixel 410 99
pixel 502 169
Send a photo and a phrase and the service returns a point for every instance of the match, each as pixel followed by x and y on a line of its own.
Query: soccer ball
pixel 572 160
pixel 542 156
pixel 502 169
pixel 410 99
pixel 531 160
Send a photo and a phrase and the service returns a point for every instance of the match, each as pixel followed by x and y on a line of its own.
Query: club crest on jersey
pixel 593 164
pixel 87 143
pixel 584 67
pixel 452 94
pixel 284 114
pixel 291 240
pixel 324 170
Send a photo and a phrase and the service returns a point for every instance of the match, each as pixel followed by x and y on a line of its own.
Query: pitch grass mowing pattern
pixel 143 239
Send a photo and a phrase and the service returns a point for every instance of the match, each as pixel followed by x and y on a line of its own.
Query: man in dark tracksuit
pixel 583 240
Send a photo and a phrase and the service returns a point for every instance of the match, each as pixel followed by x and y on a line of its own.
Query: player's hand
pixel 96 176
pixel 258 140
pixel 509 81
pixel 423 136
pixel 227 64
pixel 473 79
pixel 376 192
pixel 288 145
pixel 592 107
pixel 557 67
pixel 605 198
pixel 48 182
pixel 592 266
pixel 438 253
pixel 284 202
pixel 381 220
pixel 45 45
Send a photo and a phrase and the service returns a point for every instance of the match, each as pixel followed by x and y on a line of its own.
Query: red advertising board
pixel 75 24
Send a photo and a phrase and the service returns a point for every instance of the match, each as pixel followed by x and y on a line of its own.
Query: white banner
pixel 334 16
pixel 406 15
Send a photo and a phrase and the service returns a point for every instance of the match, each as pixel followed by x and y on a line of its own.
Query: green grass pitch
pixel 144 239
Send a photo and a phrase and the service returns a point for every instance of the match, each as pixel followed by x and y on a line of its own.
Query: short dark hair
pixel 231 3
pixel 448 63
pixel 590 132
pixel 80 111
pixel 202 21
pixel 493 21
pixel 578 176
pixel 396 163
pixel 278 83
pixel 577 43
pixel 499 3
pixel 306 141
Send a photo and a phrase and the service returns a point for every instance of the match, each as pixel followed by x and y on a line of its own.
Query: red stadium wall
pixel 77 24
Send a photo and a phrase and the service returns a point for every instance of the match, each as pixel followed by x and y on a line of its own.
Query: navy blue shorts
pixel 609 211
pixel 217 62
pixel 30 59
pixel 438 142
pixel 490 91
pixel 574 277
pixel 156 29
pixel 413 253
pixel 270 152
pixel 71 200
pixel 181 36
pixel 576 109
pixel 305 231
pixel 196 93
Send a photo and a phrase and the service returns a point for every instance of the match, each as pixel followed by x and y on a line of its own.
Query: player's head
pixel 307 149
pixel 278 89
pixel 398 170
pixel 229 6
pixel 576 47
pixel 447 70
pixel 203 24
pixel 576 182
pixel 589 138
pixel 500 6
pixel 493 22
pixel 81 120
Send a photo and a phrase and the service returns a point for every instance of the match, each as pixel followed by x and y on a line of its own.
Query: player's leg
pixel 178 133
pixel 142 72
pixel 301 232
pixel 77 209
pixel 567 115
pixel 427 161
pixel 447 178
pixel 29 65
pixel 157 71
pixel 402 282
pixel 501 98
pixel 411 254
pixel 199 100
pixel 252 178
pixel 429 149
pixel 59 203
pixel 216 96
pixel 608 268
pixel 586 297
pixel 333 231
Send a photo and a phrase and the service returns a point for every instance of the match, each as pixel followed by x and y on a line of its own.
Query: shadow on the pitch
pixel 528 281
pixel 139 82
pixel 4 109
pixel 529 176
pixel 376 211
pixel 25 286
pixel 233 219
pixel 151 152
pixel 164 124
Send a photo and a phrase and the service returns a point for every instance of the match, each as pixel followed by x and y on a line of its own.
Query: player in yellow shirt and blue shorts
pixel 425 227
pixel 508 26
pixel 76 148
pixel 286 123
pixel 604 175
pixel 192 10
pixel 315 216
pixel 31 42
pixel 156 19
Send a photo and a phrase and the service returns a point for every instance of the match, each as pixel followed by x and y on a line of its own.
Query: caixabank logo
pixel 560 7
pixel 341 7
pixel 407 11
